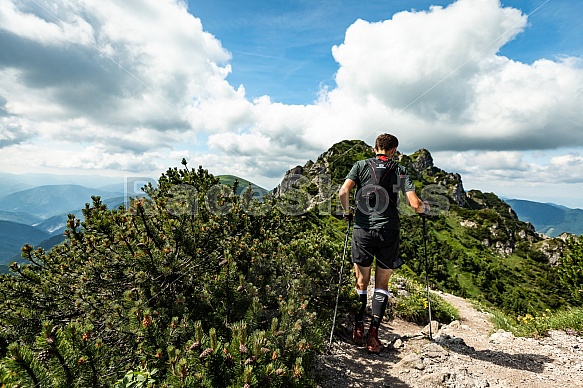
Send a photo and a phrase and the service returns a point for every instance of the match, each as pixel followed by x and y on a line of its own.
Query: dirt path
pixel 465 353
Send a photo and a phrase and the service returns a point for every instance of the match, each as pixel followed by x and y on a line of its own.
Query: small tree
pixel 570 269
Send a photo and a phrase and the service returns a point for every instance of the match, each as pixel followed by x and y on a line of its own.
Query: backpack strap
pixel 379 176
pixel 380 170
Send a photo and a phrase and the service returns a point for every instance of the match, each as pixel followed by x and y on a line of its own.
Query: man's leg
pixel 362 258
pixel 379 305
pixel 362 280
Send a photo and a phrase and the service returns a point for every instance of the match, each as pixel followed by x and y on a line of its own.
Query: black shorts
pixel 380 243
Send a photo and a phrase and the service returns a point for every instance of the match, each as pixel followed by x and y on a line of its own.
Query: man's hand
pixel 348 216
pixel 426 209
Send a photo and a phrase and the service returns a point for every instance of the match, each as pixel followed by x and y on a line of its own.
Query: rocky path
pixel 465 353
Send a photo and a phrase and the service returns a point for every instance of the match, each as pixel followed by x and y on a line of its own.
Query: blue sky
pixel 493 89
pixel 282 48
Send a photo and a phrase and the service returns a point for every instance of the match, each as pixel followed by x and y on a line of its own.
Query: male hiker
pixel 376 229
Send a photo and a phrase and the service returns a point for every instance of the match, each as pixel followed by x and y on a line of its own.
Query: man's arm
pixel 344 194
pixel 416 203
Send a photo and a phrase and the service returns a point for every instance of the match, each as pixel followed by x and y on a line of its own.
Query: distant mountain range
pixel 38 215
pixel 13 236
pixel 548 218
pixel 46 201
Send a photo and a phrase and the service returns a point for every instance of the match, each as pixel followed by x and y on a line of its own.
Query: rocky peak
pixel 421 160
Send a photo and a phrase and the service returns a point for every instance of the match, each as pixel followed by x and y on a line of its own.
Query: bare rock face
pixel 553 249
pixel 455 187
pixel 421 164
pixel 291 177
pixel 423 161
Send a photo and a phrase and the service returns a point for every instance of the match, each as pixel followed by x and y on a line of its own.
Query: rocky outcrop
pixel 422 160
pixel 455 187
pixel 553 249
pixel 321 180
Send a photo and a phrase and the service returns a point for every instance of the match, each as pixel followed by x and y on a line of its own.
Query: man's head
pixel 386 142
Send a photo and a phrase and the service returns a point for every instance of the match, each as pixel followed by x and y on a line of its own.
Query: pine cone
pixel 251 360
pixel 207 352
pixel 243 349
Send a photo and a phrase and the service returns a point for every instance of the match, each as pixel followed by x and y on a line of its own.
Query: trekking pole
pixel 427 274
pixel 339 283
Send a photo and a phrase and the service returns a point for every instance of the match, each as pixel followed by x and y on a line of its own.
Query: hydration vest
pixel 380 191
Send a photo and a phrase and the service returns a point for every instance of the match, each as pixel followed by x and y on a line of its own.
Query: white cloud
pixel 435 80
pixel 540 176
pixel 115 67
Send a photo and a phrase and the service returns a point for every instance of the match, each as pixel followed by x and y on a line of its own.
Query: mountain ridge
pixel 548 218
pixel 14 235
pixel 61 198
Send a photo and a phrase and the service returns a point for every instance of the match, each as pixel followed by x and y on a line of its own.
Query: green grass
pixel 568 320
pixel 412 303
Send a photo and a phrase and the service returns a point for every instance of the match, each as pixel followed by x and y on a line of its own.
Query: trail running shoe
pixel 358 334
pixel 373 344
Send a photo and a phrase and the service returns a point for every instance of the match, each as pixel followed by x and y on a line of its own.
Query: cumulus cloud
pixel 439 78
pixel 12 130
pixel 107 72
pixel 534 175
pixel 436 80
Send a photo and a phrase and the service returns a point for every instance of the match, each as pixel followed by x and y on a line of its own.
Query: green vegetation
pixel 228 294
pixel 570 270
pixel 198 284
pixel 569 320
pixel 241 184
pixel 414 306
pixel 520 281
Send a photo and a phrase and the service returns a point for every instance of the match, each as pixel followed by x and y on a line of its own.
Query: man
pixel 376 229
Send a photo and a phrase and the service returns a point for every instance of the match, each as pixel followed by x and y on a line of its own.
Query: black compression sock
pixel 379 305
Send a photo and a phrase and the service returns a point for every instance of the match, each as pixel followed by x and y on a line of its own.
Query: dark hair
pixel 386 142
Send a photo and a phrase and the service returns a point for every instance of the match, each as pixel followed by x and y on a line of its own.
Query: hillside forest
pixel 202 284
